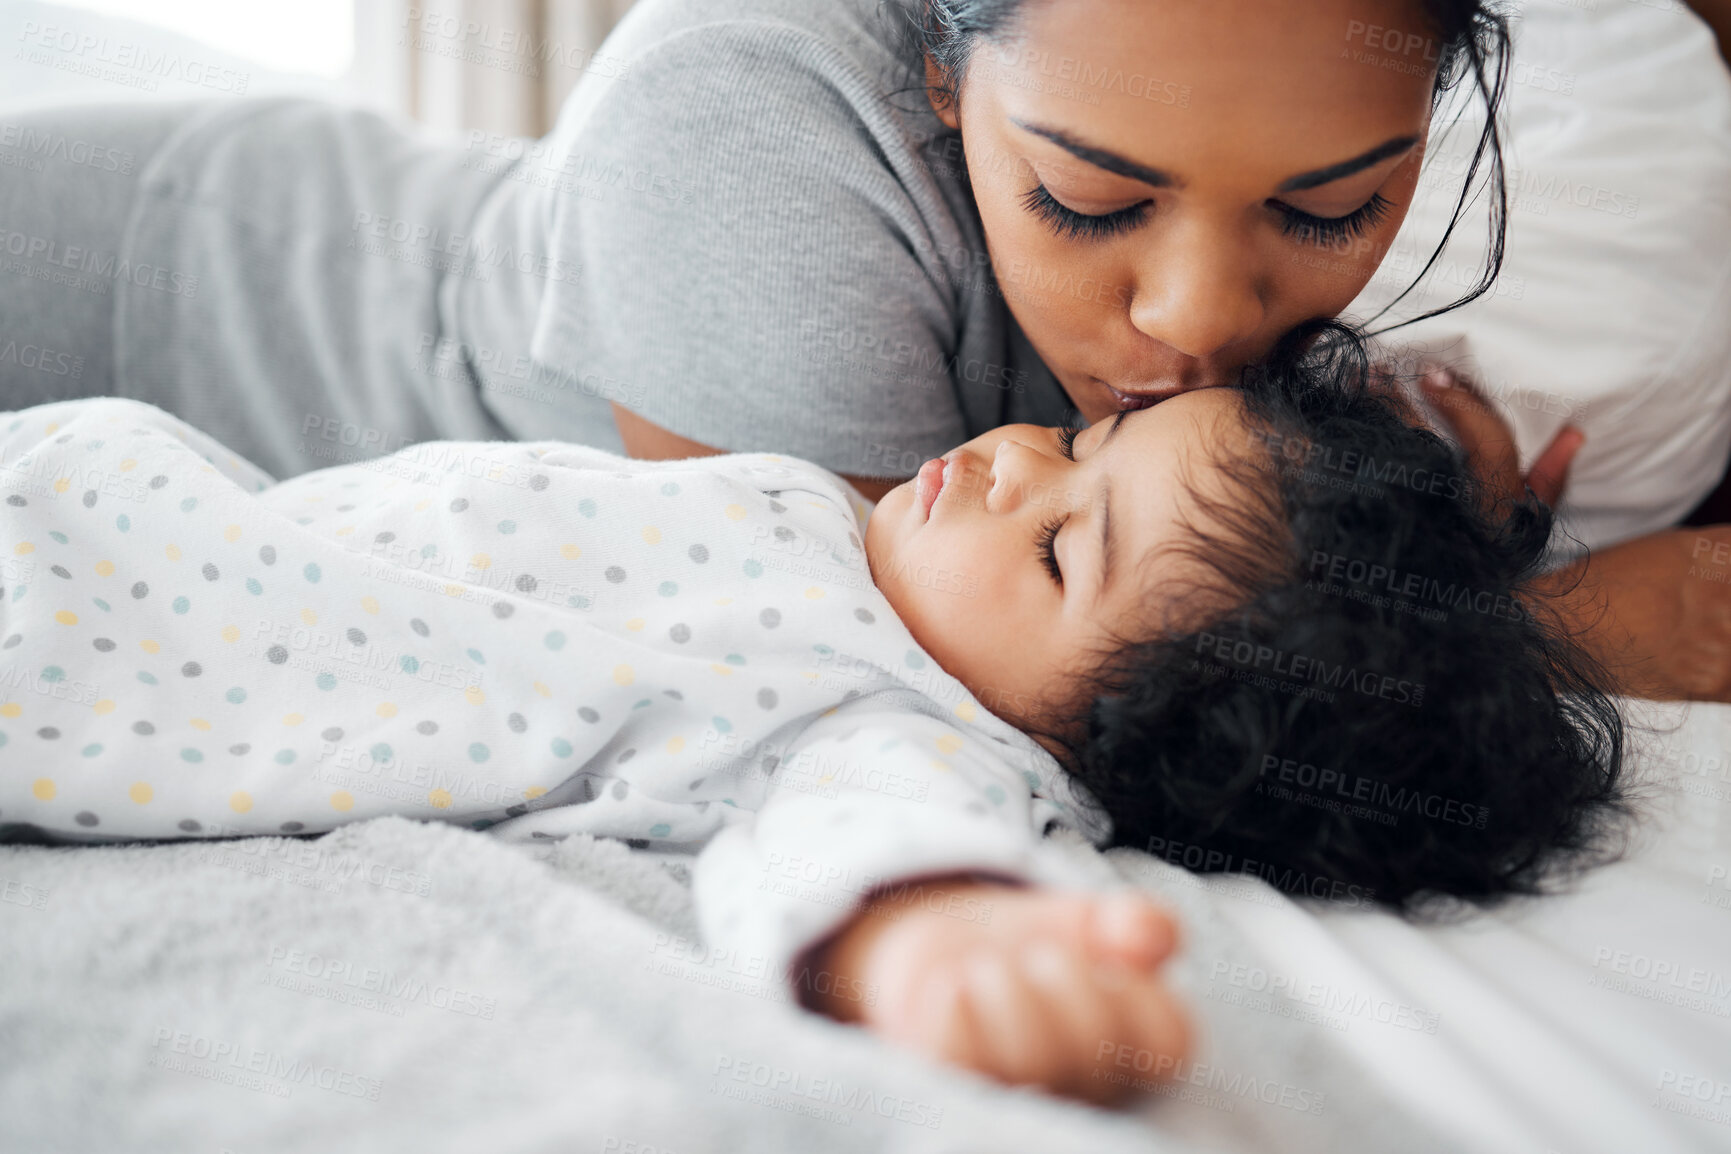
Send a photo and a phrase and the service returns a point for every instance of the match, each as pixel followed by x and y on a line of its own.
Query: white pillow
pixel 1613 311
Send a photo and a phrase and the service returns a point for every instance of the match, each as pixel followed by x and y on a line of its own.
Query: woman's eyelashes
pixel 1047 542
pixel 1072 225
pixel 1332 230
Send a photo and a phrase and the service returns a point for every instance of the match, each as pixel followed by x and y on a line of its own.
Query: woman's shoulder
pixel 870 32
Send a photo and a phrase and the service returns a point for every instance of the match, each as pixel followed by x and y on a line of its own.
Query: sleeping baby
pixel 1271 630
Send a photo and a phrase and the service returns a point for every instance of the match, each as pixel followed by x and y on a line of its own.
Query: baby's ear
pixel 1128 929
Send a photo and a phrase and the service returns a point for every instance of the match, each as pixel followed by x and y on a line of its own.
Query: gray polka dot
pixel 419 626
pixel 191 669
pixel 680 633
pixel 355 636
pixel 777 507
pixel 850 695
pixel 627 756
pixel 291 827
pixel 60 571
pixel 588 715
pixel 503 609
pixel 90 498
pixel 140 591
pixel 615 574
pixel 698 553
pixel 48 733
pixel 674 693
pixel 12 641
pixel 158 481
pixel 241 749
pixel 853 539
pixel 767 698
pixel 586 790
pixel 516 810
pixel 783 533
pixel 345 508
pixel 211 572
pixel 267 554
pixel 770 762
pixel 770 618
pixel 526 583
pixel 695 784
pixel 864 615
pixel 385 538
pixel 459 504
pixel 517 723
pixel 62 438
pixel 539 482
pixel 276 655
pixel 85 818
pixel 143 728
pixel 16 501
pixel 427 728
pixel 103 645
pixel 190 826
pixel 620 789
pixel 334 733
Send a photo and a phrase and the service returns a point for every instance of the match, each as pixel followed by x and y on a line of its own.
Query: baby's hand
pixel 1049 989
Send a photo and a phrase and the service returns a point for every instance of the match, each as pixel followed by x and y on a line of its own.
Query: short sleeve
pixel 756 267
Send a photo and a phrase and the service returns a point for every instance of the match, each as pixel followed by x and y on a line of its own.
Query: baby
pixel 1138 631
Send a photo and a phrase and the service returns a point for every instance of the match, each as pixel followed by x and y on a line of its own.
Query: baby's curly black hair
pixel 1363 701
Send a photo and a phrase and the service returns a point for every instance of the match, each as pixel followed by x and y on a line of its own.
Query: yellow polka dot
pixel 292 719
pixel 722 669
pixel 439 799
pixel 150 646
pixel 105 568
pixel 533 792
pixel 24 547
pixel 172 552
pixel 342 801
pixel 724 601
pixel 128 465
pixel 808 675
pixel 62 485
pixel 675 744
pixel 480 561
pixel 651 535
pixel 104 707
pixel 231 633
pixel 200 724
pixel 240 801
pixel 52 425
pixel 386 709
pixel 831 711
pixel 635 624
pixel 231 533
pixel 370 605
pixel 43 788
pixel 777 460
pixel 543 690
pixel 141 793
pixel 624 674
pixel 11 709
pixel 570 552
pixel 308 617
pixel 66 617
pixel 949 743
pixel 474 695
pixel 735 512
pixel 421 506
pixel 453 590
pixel 966 711
pixel 941 766
pixel 345 530
pixel 814 594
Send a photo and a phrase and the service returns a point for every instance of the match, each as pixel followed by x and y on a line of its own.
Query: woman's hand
pixel 1055 990
pixel 1489 443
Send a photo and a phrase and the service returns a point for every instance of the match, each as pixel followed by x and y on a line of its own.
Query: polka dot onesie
pixel 536 639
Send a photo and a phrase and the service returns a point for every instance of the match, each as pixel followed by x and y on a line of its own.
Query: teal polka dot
pixel 381 752
pixel 660 829
pixel 18 592
pixel 123 522
pixel 915 659
pixel 578 602
pixel 181 605
pixel 188 504
pixel 561 747
pixel 996 793
pixel 644 704
pixel 147 678
pixel 57 535
pixel 326 681
pixel 53 673
pixel 586 507
pixel 823 650
pixel 429 549
pixel 475 656
pixel 101 604
pixel 668 589
pixel 253 587
pixel 734 659
pixel 554 640
pixel 1032 778
pixel 285 756
pixel 236 695
pixel 507 527
pixel 670 490
pixel 479 752
pixel 753 567
pixel 409 663
pixel 192 755
pixel 3 737
pixel 722 725
pixel 311 572
pixel 90 750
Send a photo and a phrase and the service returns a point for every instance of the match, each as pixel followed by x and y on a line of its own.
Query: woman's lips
pixel 930 483
pixel 1130 402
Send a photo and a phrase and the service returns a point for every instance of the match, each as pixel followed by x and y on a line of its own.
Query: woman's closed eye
pixel 1325 231
pixel 1072 225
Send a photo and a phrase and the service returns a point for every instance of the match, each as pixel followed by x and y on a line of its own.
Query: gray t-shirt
pixel 760 238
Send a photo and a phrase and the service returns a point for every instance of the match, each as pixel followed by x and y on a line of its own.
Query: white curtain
pixel 500 66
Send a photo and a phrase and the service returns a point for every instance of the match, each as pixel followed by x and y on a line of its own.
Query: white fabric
pixel 1612 308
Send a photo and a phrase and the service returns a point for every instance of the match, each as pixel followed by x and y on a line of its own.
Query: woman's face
pixel 1169 186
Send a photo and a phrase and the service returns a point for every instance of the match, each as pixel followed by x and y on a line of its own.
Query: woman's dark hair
pixel 1357 696
pixel 1472 41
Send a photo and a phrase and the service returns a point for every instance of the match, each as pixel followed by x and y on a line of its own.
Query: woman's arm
pixel 1717 14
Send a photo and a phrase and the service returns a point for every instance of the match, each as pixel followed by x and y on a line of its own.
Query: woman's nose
pixel 1197 292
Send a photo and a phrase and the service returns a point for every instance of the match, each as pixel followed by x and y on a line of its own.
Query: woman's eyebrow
pixel 1346 168
pixel 1099 157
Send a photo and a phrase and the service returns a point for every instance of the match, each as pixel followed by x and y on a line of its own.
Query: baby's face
pixel 1016 559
